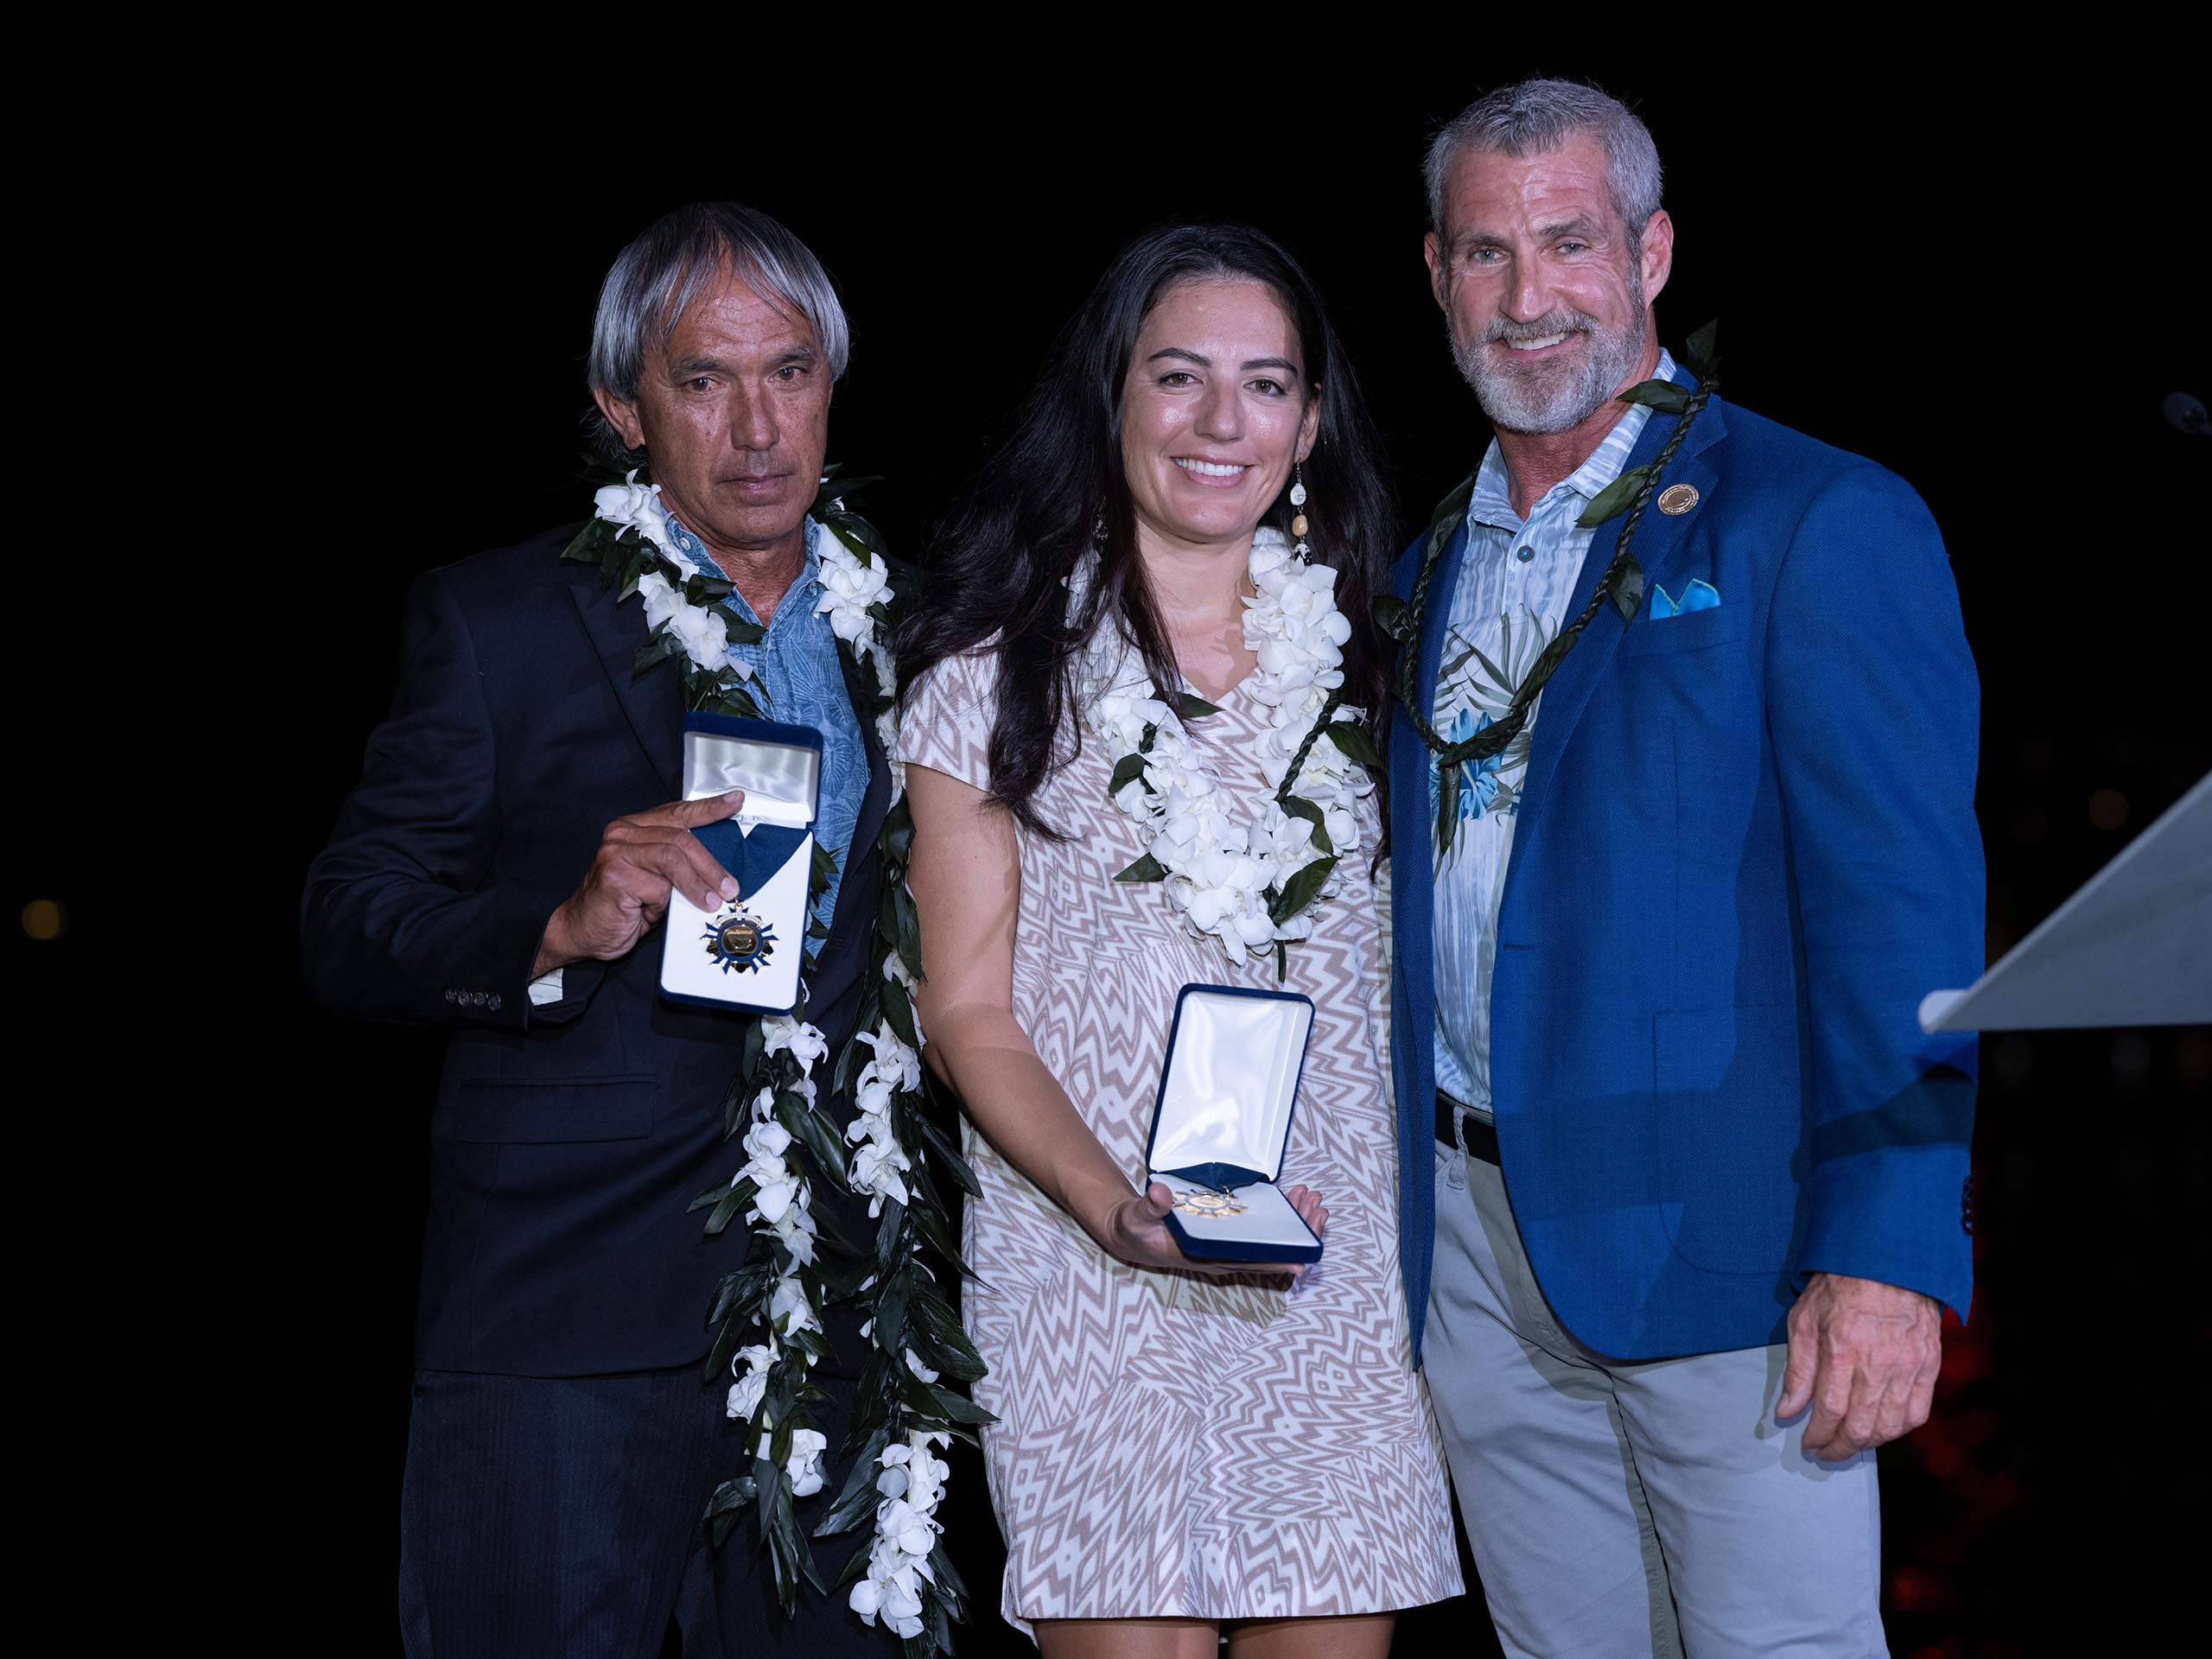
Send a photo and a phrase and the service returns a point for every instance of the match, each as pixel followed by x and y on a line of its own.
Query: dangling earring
pixel 1297 526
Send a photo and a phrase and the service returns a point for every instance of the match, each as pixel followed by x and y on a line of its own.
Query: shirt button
pixel 1526 554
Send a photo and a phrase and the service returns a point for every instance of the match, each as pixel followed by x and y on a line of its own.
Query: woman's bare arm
pixel 965 871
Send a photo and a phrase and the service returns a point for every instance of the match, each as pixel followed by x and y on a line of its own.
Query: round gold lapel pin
pixel 1677 498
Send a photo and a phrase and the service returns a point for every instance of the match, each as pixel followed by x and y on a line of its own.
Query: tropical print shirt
pixel 1516 576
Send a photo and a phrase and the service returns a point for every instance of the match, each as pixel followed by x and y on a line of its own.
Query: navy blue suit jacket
pixel 568 1140
pixel 1746 848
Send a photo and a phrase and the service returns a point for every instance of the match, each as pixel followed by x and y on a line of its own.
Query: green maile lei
pixel 903 1416
pixel 1622 582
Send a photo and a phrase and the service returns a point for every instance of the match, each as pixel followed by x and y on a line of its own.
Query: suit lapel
pixel 1412 868
pixel 876 805
pixel 1658 547
pixel 873 805
pixel 1436 613
pixel 653 702
pixel 1412 824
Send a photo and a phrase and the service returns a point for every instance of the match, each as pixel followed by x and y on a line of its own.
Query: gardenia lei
pixel 1250 886
pixel 902 1417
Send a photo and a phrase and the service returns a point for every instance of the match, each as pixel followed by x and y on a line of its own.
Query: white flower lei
pixel 1238 883
pixel 683 613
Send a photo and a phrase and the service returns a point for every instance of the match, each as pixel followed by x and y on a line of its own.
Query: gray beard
pixel 1549 398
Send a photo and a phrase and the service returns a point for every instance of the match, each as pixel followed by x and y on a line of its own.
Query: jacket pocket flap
pixel 514 1109
pixel 1691 631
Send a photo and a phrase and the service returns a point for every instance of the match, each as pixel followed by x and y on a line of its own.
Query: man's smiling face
pixel 1547 296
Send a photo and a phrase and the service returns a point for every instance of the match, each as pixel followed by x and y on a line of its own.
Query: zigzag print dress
pixel 1170 1445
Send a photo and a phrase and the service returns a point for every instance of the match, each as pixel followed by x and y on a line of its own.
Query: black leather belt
pixel 1481 1137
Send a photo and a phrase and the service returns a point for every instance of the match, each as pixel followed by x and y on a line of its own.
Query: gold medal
pixel 740 943
pixel 1213 1205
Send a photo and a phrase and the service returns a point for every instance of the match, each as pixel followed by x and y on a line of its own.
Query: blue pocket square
pixel 1699 595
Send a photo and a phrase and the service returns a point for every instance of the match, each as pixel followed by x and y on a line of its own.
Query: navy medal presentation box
pixel 1227 1092
pixel 747 954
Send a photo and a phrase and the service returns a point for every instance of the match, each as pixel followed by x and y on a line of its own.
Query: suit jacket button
pixel 493 1001
pixel 1965 1207
pixel 452 996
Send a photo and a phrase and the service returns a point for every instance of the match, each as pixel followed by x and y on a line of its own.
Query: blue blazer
pixel 568 1140
pixel 1746 848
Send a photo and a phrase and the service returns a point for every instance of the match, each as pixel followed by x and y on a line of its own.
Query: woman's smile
pixel 1213 475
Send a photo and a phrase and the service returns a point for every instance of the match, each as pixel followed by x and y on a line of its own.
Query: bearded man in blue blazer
pixel 1682 792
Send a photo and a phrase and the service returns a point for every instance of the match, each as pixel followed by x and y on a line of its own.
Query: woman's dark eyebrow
pixel 1282 362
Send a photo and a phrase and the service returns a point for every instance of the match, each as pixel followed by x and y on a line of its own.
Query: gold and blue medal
pixel 740 940
pixel 1213 1204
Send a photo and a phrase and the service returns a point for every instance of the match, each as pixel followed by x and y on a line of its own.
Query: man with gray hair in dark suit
pixel 501 869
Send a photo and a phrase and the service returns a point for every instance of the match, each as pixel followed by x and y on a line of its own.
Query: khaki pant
pixel 1622 1508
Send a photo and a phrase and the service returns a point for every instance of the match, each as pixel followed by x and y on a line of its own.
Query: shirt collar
pixel 695 550
pixel 1491 504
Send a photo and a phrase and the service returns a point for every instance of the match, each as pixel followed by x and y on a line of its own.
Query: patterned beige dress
pixel 1169 1444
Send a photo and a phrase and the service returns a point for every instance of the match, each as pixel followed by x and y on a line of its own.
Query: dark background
pixel 1939 274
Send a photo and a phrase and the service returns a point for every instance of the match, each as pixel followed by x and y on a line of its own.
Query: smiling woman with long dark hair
pixel 1135 722
pixel 1059 490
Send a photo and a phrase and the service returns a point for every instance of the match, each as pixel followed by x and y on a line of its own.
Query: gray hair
pixel 677 256
pixel 1535 118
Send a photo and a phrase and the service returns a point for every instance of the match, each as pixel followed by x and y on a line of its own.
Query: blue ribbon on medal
pixel 738 940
